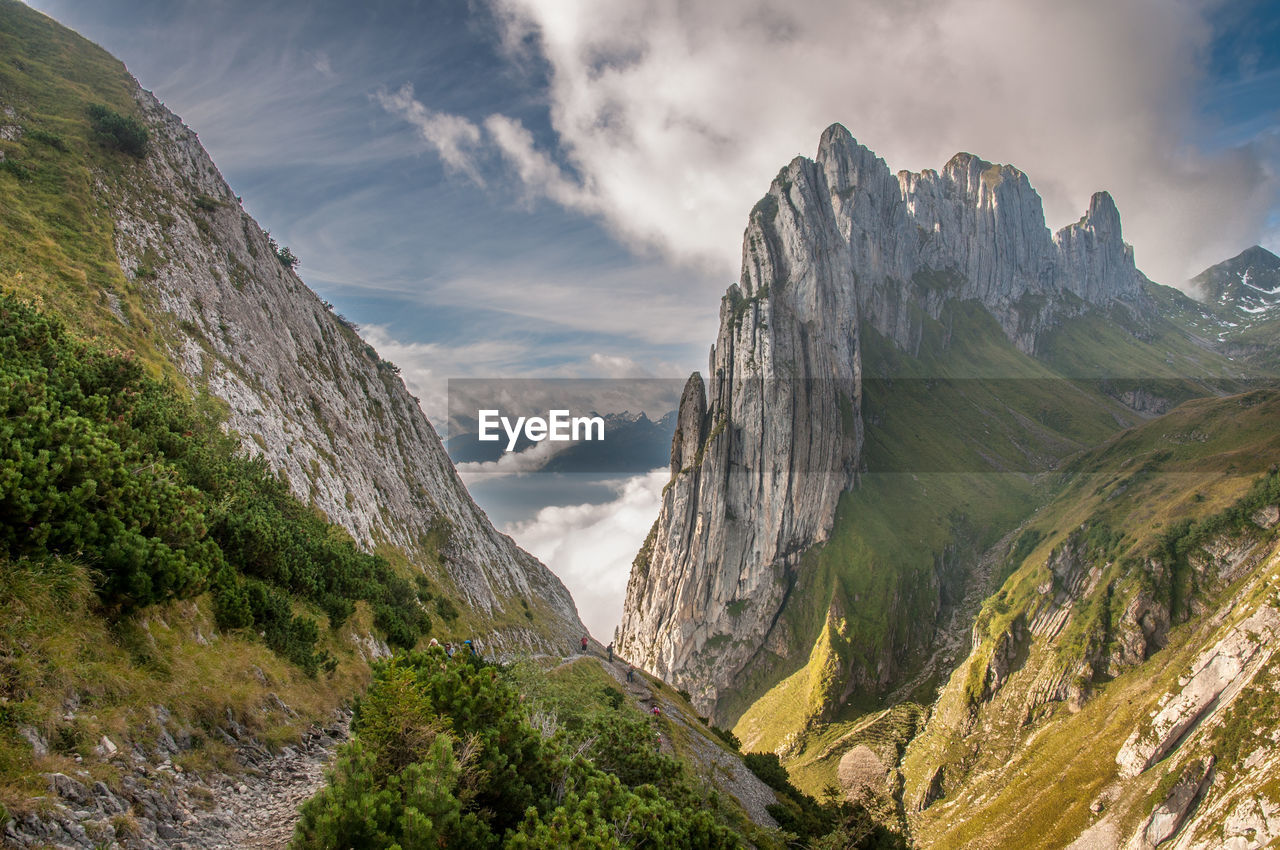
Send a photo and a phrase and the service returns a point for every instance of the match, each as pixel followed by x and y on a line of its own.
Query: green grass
pixel 963 443
pixel 1118 504
pixel 56 227
pixel 170 655
pixel 953 438
pixel 1005 803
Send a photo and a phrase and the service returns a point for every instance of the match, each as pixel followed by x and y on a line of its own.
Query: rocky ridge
pixel 767 444
pixel 301 388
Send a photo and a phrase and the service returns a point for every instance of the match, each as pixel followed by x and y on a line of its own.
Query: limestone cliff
pixel 304 390
pixel 838 244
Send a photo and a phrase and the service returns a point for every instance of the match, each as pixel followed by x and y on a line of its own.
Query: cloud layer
pixel 590 547
pixel 670 118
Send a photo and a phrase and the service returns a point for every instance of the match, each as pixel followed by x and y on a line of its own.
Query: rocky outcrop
pixel 760 460
pixel 972 231
pixel 1216 676
pixel 156 804
pixel 302 389
pixel 1167 818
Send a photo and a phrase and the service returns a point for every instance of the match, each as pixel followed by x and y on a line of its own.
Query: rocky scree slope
pixel 769 442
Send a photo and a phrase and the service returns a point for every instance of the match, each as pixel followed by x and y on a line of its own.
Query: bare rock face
pixel 1167 818
pixel 302 389
pixel 1219 672
pixel 836 242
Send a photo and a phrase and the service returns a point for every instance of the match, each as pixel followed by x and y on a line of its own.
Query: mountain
pixel 1236 313
pixel 1126 659
pixel 219 508
pixel 155 254
pixel 858 287
pixel 1248 282
pixel 918 399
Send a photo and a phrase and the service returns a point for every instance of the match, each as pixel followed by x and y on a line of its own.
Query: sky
pixel 509 188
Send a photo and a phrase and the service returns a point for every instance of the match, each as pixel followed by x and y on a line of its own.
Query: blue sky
pixel 507 188
pixel 602 245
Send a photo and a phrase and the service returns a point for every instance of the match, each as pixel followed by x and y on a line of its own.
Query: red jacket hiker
pixel 584 643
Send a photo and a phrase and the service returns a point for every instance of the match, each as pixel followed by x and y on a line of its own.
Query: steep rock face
pixel 783 432
pixel 972 231
pixel 837 241
pixel 303 389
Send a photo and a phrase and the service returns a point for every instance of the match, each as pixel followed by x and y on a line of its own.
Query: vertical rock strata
pixel 760 459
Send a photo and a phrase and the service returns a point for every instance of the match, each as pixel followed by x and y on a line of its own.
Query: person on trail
pixel 585 639
pixel 631 673
pixel 448 649
pixel 434 642
pixel 471 646
pixel 610 648
pixel 657 712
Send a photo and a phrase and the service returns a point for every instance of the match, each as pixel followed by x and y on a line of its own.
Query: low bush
pixel 118 132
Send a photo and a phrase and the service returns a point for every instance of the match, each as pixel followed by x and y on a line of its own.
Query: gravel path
pixel 262 810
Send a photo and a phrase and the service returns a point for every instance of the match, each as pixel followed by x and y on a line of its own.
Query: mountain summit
pixel 1248 282
pixel 918 515
pixel 839 247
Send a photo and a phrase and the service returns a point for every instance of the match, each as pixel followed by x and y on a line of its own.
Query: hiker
pixel 610 648
pixel 631 673
pixel 434 642
pixel 584 643
pixel 448 649
pixel 657 712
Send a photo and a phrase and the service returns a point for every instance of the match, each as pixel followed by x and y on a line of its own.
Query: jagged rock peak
pixel 761 457
pixel 690 424
pixel 974 230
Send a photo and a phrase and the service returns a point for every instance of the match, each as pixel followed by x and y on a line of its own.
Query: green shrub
pixel 118 132
pixel 15 168
pixel 443 754
pixel 728 737
pixel 102 464
pixel 44 137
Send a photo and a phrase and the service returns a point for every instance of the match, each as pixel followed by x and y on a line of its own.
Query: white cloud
pixel 452 136
pixel 511 463
pixel 322 64
pixel 671 117
pixel 590 547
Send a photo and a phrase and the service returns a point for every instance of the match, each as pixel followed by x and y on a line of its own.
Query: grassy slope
pixel 57 240
pixel 74 685
pixel 56 231
pixel 57 250
pixel 582 686
pixel 951 469
pixel 1209 452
